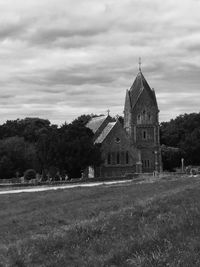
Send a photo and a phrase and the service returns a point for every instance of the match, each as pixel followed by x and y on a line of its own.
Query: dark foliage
pixel 16 155
pixel 29 174
pixel 34 143
pixel 29 128
pixel 171 157
pixel 121 119
pixel 77 148
pixel 82 120
pixel 183 133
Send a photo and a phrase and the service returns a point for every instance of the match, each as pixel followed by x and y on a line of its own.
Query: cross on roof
pixel 108 111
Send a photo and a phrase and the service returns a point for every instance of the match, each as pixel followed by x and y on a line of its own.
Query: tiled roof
pixel 105 132
pixel 138 86
pixel 95 123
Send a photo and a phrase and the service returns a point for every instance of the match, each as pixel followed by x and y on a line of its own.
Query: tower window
pixel 127 157
pixel 109 159
pixel 122 157
pixel 113 158
pixel 118 158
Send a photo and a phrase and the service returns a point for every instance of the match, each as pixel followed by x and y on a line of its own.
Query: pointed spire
pixel 140 63
pixel 139 85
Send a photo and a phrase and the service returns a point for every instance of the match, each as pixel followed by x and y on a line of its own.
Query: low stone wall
pixel 9 183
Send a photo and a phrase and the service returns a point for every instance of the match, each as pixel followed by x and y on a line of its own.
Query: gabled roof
pixel 139 85
pixel 95 123
pixel 105 132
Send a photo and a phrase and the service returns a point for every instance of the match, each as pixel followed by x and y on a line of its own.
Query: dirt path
pixel 48 188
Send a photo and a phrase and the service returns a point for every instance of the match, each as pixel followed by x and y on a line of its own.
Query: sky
pixel 60 59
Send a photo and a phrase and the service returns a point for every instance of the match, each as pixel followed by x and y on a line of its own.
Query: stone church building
pixel 133 147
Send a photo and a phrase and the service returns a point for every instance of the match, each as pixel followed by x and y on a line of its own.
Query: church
pixel 133 147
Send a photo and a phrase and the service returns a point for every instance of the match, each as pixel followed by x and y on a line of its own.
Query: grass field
pixel 152 224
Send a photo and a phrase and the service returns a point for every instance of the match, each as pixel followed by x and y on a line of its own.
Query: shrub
pixel 44 176
pixel 30 174
pixel 53 171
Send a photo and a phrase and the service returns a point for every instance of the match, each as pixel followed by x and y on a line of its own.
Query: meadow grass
pixel 155 224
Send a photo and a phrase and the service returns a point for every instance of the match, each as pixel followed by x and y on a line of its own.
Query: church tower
pixel 142 124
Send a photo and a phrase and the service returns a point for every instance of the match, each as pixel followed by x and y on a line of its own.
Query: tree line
pixel 180 138
pixel 34 143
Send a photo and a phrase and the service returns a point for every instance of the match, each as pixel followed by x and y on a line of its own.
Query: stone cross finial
pixel 108 111
pixel 140 63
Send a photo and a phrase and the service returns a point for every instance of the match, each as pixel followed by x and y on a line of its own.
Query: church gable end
pixel 117 155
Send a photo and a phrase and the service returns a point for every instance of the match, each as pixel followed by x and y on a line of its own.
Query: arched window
pixel 118 158
pixel 127 157
pixel 109 159
pixel 113 158
pixel 144 135
pixel 122 157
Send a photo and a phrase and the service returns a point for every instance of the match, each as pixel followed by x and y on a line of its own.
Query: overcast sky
pixel 63 58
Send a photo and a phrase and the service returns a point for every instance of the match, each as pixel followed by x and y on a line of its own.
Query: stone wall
pixel 114 171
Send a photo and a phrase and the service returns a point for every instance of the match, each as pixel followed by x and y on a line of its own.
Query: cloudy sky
pixel 63 58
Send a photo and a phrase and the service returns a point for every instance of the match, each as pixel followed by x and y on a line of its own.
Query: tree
pixel 29 128
pixel 77 149
pixel 171 157
pixel 48 149
pixel 16 156
pixel 82 120
pixel 183 132
pixel 41 146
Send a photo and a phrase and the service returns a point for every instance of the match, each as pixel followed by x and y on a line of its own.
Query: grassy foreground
pixel 154 224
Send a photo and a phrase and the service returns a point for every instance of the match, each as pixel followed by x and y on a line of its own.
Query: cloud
pixel 11 30
pixel 61 59
pixel 65 77
pixel 61 33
